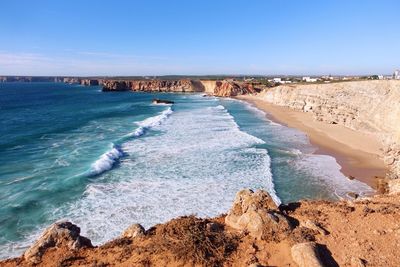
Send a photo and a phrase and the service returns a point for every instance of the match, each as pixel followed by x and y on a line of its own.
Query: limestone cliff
pixel 90 82
pixel 367 106
pixel 217 88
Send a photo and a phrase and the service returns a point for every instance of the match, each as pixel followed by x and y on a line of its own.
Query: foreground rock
pixel 256 213
pixel 61 234
pixel 255 232
pixel 306 255
pixel 135 230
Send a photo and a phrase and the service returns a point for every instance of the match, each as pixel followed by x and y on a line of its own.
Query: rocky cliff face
pixel 164 86
pixel 368 106
pixel 228 88
pixel 217 88
pixel 90 82
pixel 152 85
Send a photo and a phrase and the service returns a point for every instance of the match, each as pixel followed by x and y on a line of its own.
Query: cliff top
pixel 255 232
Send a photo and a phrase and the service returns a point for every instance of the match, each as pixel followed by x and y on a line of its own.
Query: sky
pixel 189 37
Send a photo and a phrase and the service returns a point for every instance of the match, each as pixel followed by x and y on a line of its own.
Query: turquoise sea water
pixel 107 160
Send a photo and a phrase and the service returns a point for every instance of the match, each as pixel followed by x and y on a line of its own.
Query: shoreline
pixel 357 153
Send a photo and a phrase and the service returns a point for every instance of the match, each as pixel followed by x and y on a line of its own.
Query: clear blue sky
pixel 82 37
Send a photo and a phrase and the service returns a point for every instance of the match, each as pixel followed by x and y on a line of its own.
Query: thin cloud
pixel 115 55
pixel 12 59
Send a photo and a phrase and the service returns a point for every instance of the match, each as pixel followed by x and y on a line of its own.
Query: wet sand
pixel 357 153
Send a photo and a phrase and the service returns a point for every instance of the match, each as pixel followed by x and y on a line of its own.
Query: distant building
pixel 327 77
pixel 396 75
pixel 309 79
pixel 277 80
pixel 380 77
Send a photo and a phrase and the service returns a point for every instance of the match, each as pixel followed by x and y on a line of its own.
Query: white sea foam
pixel 156 120
pixel 151 122
pixel 197 163
pixel 109 158
pixel 325 171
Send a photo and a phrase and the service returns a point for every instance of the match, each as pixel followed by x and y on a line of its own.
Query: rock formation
pixel 133 231
pixel 257 214
pixel 90 82
pixel 62 234
pixel 151 85
pixel 228 88
pixel 217 88
pixel 367 106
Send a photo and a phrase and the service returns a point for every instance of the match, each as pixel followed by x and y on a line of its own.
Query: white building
pixel 277 80
pixel 396 75
pixel 308 79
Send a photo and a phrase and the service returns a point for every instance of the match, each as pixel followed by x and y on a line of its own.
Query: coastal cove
pixel 357 153
pixel 127 160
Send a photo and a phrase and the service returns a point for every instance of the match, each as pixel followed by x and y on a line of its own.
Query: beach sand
pixel 357 153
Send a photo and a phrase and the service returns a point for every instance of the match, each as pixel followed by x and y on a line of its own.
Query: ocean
pixel 107 160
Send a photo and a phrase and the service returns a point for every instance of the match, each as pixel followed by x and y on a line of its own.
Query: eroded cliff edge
pixel 217 88
pixel 366 106
pixel 255 232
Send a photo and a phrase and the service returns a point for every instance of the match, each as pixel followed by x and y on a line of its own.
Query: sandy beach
pixel 357 153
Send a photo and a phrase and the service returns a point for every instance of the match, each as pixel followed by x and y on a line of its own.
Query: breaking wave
pixel 112 156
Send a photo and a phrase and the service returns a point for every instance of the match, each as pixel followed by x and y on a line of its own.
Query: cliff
pixel 367 106
pixel 90 82
pixel 217 88
pixel 255 232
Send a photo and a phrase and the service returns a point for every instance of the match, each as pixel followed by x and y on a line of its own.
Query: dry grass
pixel 191 239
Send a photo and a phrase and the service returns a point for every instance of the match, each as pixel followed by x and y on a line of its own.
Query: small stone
pixel 133 231
pixel 306 255
pixel 314 226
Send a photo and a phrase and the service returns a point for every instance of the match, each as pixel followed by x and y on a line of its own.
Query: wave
pixel 270 187
pixel 151 122
pixel 112 156
pixel 107 160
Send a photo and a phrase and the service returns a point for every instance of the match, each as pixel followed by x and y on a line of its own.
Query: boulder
pixel 162 101
pixel 133 231
pixel 257 214
pixel 306 255
pixel 60 234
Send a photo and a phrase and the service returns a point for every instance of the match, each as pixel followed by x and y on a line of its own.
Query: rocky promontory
pixel 255 232
pixel 217 88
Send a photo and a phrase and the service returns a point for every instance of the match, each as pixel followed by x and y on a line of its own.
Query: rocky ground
pixel 363 232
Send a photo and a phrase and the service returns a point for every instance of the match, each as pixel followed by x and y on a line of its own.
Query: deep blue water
pixel 107 160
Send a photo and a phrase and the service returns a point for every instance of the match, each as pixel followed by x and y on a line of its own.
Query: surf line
pixel 110 158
